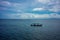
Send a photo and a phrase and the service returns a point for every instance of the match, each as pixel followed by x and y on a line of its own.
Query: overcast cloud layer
pixel 29 9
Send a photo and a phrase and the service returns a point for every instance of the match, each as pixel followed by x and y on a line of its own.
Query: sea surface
pixel 20 29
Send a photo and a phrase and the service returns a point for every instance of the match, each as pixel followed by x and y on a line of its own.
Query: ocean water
pixel 20 29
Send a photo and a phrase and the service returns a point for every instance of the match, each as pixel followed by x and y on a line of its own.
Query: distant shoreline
pixel 30 19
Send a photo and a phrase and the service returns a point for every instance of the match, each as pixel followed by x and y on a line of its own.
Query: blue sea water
pixel 20 29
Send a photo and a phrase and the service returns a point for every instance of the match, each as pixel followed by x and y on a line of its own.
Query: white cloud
pixel 51 5
pixel 55 8
pixel 32 16
pixel 48 1
pixel 44 1
pixel 11 4
pixel 38 9
pixel 5 3
pixel 15 7
pixel 54 15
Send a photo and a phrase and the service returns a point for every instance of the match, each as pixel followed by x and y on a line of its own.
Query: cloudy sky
pixel 29 9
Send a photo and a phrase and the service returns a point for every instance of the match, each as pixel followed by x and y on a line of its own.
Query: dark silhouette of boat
pixel 36 24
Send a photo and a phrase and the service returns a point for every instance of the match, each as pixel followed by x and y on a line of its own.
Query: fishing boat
pixel 36 24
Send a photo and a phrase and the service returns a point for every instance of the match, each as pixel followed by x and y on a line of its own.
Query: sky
pixel 29 9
